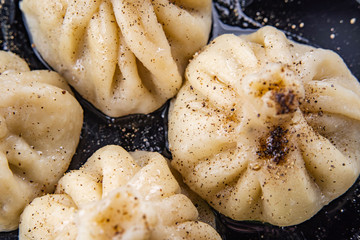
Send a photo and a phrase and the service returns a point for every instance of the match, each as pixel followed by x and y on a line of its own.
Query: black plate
pixel 333 25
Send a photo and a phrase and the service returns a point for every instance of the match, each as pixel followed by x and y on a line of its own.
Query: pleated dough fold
pixel 265 128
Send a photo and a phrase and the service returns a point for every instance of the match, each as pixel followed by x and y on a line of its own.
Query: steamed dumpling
pixel 116 195
pixel 40 124
pixel 267 129
pixel 122 56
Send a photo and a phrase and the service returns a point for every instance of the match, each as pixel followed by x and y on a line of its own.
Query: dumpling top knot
pixel 265 128
pixel 116 195
pixel 123 56
pixel 274 91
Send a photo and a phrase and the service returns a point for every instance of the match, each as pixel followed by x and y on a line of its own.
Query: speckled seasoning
pixel 122 56
pixel 116 194
pixel 40 125
pixel 340 219
pixel 262 102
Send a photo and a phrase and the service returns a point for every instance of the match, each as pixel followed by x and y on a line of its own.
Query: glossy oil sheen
pixel 333 25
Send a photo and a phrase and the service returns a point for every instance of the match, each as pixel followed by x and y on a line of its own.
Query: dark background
pixel 328 24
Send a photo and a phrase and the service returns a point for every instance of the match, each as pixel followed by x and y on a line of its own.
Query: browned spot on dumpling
pixel 285 102
pixel 275 146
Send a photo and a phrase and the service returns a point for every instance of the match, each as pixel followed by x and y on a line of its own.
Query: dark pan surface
pixel 333 25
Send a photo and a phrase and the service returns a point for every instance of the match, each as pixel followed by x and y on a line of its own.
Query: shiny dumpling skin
pixel 116 195
pixel 40 124
pixel 265 128
pixel 122 56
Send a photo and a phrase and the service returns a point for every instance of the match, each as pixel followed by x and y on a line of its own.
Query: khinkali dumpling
pixel 123 56
pixel 40 124
pixel 265 128
pixel 116 195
